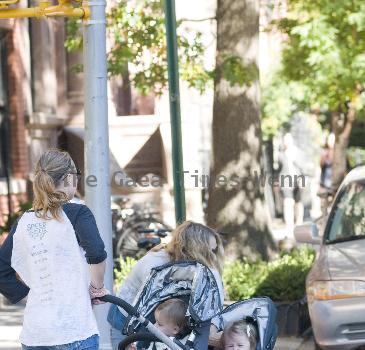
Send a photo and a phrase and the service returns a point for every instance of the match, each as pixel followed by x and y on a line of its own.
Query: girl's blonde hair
pixel 190 241
pixel 242 328
pixel 50 170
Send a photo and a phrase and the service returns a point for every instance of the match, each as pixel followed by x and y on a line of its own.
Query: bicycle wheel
pixel 127 245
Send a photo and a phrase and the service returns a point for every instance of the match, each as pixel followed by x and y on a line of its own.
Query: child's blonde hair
pixel 239 328
pixel 190 241
pixel 50 170
pixel 176 312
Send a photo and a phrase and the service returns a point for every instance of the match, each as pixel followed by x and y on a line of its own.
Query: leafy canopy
pixel 325 50
pixel 323 61
pixel 137 34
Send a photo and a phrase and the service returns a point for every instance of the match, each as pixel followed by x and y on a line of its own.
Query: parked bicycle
pixel 136 229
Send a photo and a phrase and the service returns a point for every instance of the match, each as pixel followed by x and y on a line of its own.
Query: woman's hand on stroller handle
pixel 96 294
pixel 108 298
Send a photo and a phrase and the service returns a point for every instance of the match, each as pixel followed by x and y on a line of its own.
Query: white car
pixel 335 285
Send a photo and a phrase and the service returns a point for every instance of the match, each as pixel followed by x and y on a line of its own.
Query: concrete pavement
pixel 10 326
pixel 293 343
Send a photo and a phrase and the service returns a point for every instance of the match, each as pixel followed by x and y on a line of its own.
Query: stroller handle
pixel 120 302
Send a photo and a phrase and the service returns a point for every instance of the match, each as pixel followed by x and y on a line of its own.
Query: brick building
pixel 37 95
pixel 14 109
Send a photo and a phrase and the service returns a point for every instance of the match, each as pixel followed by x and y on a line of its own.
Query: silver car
pixel 336 283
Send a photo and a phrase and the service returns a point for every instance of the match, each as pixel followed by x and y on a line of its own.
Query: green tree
pixel 239 208
pixel 281 99
pixel 137 35
pixel 136 31
pixel 324 50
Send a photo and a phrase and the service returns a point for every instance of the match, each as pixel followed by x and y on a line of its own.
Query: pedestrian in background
pixel 292 190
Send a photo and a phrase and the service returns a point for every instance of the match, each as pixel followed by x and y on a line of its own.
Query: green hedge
pixel 282 279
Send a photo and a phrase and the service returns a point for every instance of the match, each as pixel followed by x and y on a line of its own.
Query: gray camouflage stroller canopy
pixel 192 281
pixel 196 285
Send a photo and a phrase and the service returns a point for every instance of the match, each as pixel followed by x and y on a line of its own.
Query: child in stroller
pixel 171 319
pixel 240 335
pixel 251 323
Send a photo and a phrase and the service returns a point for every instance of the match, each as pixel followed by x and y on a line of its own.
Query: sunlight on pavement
pixel 9 336
pixel 10 327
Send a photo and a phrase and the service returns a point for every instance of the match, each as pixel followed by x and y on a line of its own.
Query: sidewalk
pixel 292 343
pixel 10 325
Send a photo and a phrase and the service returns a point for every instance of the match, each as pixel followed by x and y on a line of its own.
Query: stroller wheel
pixel 145 337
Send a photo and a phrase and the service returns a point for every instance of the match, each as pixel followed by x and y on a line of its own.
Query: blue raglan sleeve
pixel 88 236
pixel 10 286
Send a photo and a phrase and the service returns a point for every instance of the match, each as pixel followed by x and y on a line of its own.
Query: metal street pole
pixel 97 192
pixel 175 115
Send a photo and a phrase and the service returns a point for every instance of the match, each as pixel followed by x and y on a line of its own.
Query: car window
pixel 348 218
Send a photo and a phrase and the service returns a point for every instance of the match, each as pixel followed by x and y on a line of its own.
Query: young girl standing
pixel 46 257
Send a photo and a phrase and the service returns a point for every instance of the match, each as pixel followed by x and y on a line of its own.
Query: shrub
pixel 285 279
pixel 124 270
pixel 282 279
pixel 242 277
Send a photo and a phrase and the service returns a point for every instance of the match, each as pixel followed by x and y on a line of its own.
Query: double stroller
pixel 196 285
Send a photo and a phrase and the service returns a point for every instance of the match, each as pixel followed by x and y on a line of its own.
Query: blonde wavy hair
pixel 190 241
pixel 50 170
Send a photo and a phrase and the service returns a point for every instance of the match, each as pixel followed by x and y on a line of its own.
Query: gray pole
pixel 97 187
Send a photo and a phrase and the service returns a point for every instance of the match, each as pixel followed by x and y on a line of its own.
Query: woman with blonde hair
pixel 50 248
pixel 190 241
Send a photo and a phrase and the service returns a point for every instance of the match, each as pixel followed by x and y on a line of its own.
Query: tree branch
pixel 198 20
pixel 350 117
pixel 335 119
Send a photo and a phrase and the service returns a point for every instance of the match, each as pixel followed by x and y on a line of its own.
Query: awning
pixel 135 148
